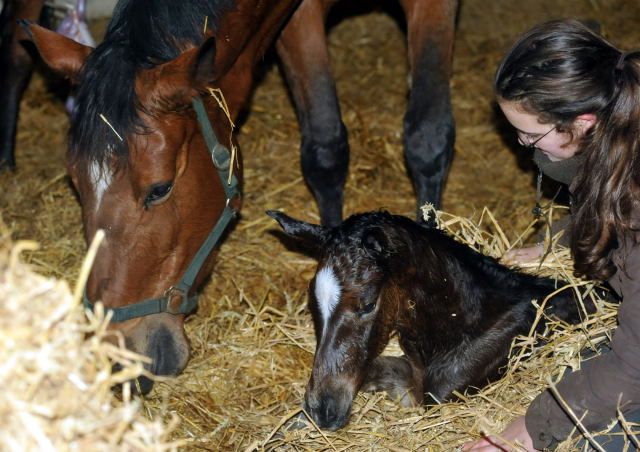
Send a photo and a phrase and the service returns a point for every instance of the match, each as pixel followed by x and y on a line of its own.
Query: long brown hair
pixel 558 71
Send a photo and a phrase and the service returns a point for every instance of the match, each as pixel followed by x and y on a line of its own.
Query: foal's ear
pixel 303 230
pixel 62 54
pixel 376 243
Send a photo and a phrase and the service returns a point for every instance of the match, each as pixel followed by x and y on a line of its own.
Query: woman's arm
pixel 514 433
pixel 610 382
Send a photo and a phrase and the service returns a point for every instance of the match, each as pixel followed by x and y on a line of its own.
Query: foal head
pixel 143 174
pixel 354 298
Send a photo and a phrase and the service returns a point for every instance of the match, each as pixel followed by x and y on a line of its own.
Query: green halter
pixel 222 161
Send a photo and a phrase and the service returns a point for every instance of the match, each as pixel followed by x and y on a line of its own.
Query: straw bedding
pixel 55 371
pixel 252 339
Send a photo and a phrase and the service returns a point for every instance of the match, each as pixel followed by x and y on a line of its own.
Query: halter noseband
pixel 222 161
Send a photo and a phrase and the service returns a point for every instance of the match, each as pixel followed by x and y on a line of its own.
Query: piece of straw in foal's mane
pixel 56 371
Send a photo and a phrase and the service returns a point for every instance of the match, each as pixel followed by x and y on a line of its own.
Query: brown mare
pixel 139 161
pixel 137 155
pixel 455 312
pixel 302 47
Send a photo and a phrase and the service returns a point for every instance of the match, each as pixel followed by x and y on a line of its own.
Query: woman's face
pixel 532 133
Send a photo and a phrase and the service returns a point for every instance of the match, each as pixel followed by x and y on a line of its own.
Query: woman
pixel 573 97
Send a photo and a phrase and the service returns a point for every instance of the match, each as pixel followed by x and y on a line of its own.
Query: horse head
pixel 354 301
pixel 145 175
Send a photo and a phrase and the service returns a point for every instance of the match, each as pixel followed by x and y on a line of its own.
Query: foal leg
pixel 302 47
pixel 475 361
pixel 429 130
pixel 395 376
pixel 16 66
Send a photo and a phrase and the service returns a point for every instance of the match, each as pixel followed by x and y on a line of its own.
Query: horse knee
pixel 394 375
pixel 325 149
pixel 429 142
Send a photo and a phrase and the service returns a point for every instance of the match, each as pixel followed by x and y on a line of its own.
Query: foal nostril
pixel 328 410
pixel 328 413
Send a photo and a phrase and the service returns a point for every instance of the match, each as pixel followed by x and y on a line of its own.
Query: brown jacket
pixel 611 381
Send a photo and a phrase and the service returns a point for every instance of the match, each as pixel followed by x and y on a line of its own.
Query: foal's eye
pixel 367 308
pixel 157 193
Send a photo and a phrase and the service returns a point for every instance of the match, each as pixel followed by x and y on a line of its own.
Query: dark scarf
pixel 563 171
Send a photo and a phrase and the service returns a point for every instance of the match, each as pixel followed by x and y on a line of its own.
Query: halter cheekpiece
pixel 222 161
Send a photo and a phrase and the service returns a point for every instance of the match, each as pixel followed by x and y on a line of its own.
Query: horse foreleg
pixel 429 130
pixel 17 65
pixel 396 376
pixel 475 361
pixel 302 47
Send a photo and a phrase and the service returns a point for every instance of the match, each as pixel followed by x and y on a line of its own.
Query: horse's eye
pixel 368 307
pixel 157 193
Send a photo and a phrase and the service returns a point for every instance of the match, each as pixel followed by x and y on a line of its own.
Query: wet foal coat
pixel 455 312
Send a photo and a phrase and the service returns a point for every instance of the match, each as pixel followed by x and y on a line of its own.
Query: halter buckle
pixel 221 157
pixel 170 294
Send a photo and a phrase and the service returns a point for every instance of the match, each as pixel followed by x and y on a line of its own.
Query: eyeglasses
pixel 531 145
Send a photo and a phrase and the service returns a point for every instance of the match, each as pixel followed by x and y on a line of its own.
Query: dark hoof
pixel 7 166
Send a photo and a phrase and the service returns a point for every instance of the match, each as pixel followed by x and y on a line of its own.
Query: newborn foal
pixel 455 311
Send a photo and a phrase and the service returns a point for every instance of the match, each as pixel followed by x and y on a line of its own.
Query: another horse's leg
pixel 16 66
pixel 302 47
pixel 396 376
pixel 429 130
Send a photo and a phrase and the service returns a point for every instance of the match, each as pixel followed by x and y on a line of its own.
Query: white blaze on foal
pixel 327 293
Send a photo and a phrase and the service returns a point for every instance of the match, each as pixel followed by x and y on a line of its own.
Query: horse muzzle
pixel 162 339
pixel 329 408
pixel 168 350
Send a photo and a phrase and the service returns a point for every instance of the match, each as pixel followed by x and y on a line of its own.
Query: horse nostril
pixel 328 410
pixel 327 413
pixel 168 357
pixel 141 385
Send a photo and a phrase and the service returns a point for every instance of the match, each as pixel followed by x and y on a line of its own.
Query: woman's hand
pixel 523 255
pixel 516 434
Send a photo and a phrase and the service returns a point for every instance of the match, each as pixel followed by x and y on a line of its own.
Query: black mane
pixel 142 34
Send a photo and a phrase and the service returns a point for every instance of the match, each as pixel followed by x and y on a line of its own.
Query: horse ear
pixel 203 71
pixel 192 71
pixel 303 230
pixel 376 243
pixel 62 54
